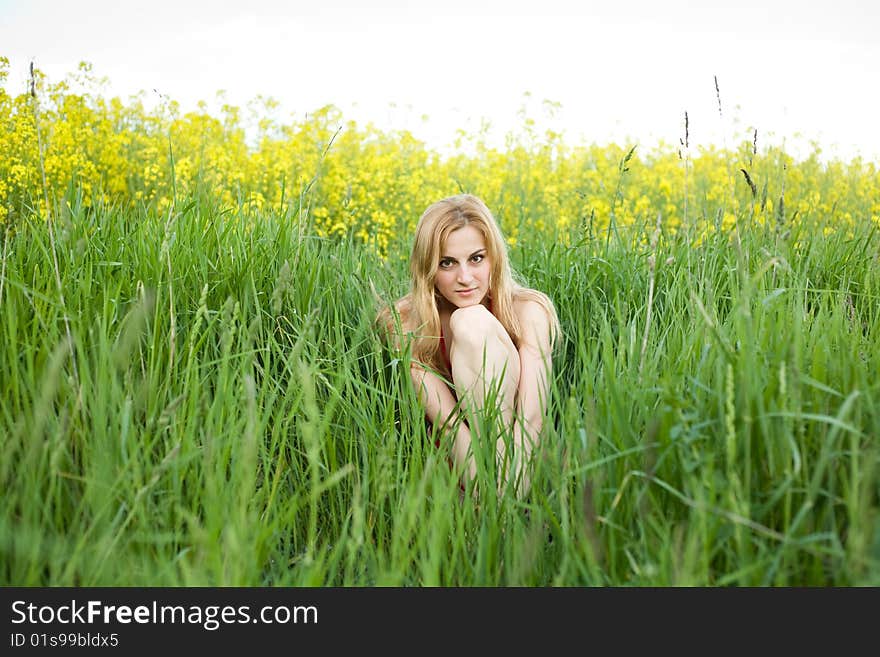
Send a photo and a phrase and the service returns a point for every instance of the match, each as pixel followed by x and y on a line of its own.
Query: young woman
pixel 477 336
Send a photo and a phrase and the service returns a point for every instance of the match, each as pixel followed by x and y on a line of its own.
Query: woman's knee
pixel 477 334
pixel 474 326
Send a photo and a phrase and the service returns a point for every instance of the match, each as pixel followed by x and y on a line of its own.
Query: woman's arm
pixel 440 406
pixel 531 398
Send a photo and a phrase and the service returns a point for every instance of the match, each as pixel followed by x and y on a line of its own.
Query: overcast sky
pixel 798 71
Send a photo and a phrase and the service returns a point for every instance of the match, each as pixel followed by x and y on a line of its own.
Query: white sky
pixel 797 70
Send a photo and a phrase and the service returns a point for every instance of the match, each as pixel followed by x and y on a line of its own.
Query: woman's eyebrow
pixel 449 257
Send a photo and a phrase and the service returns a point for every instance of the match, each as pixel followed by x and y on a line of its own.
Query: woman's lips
pixel 467 292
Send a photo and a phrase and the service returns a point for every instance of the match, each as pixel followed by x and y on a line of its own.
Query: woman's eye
pixel 478 258
pixel 445 264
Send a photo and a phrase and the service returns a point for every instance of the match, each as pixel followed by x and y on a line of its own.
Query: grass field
pixel 207 404
pixel 192 392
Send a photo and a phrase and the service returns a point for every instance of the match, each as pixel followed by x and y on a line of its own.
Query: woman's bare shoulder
pixel 395 319
pixel 404 308
pixel 531 305
pixel 533 312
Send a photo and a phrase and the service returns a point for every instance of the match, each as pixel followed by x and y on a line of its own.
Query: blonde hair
pixel 418 310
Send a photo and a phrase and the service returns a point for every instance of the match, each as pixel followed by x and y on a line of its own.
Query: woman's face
pixel 463 271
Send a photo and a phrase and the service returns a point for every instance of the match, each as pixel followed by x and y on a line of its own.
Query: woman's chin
pixel 474 300
pixel 459 300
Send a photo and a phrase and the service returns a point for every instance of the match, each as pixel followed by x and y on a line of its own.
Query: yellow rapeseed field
pixel 371 185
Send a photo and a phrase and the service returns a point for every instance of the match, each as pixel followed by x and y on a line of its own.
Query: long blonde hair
pixel 418 309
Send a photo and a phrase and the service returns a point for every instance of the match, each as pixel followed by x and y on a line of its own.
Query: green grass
pixel 223 414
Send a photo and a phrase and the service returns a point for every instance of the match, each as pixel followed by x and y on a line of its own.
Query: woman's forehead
pixel 463 241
